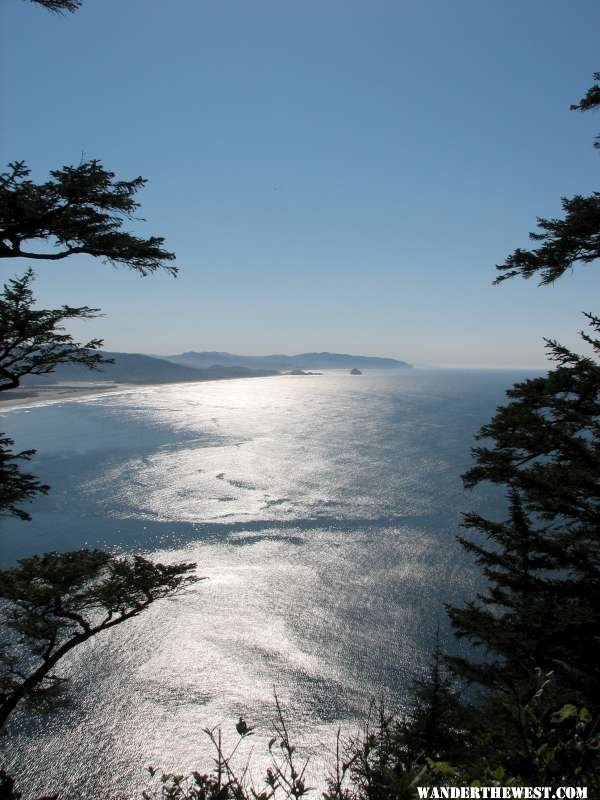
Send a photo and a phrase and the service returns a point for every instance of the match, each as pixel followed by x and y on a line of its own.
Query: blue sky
pixel 332 175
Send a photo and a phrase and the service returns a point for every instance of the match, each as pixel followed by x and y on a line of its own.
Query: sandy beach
pixel 38 395
pixel 63 392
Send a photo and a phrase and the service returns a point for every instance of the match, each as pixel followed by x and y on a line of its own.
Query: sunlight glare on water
pixel 322 512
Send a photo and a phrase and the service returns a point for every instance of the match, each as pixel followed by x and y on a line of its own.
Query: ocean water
pixel 322 512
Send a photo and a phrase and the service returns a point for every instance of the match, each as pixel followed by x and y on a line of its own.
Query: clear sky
pixel 333 175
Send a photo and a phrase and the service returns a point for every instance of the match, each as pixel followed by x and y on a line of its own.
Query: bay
pixel 322 512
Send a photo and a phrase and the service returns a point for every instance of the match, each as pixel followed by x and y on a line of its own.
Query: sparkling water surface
pixel 322 512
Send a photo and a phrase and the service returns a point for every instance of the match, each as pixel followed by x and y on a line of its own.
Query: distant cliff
pixel 205 359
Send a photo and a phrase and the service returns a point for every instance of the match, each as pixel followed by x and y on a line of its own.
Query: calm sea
pixel 322 511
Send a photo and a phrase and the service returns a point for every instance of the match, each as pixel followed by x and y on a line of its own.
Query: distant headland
pixel 192 366
pixel 285 363
pixel 135 368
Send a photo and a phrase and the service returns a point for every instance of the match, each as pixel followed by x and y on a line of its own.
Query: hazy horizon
pixel 338 177
pixel 420 365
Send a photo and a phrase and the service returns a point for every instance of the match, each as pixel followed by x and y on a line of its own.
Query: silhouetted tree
pixel 16 486
pixel 50 604
pixel 33 341
pixel 542 606
pixel 590 100
pixel 567 241
pixel 80 210
pixel 432 726
pixel 55 602
pixel 59 5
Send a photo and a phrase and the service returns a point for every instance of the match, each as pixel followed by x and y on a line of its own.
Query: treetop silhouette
pixel 541 606
pixel 58 6
pixel 33 341
pixel 55 602
pixel 80 210
pixel 564 242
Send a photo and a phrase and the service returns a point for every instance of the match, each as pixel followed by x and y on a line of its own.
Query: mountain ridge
pixel 280 361
pixel 138 368
pixel 142 369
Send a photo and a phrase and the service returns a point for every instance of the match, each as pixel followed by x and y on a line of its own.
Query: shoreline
pixel 34 396
pixel 39 395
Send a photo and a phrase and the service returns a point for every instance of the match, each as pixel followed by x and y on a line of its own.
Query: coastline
pixel 39 395
pixel 33 396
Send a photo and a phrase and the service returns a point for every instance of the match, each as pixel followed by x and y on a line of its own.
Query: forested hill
pixel 284 362
pixel 137 368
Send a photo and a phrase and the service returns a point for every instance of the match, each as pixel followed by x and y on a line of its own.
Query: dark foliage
pixel 590 100
pixel 33 341
pixel 16 486
pixel 58 6
pixel 535 734
pixel 543 566
pixel 550 746
pixel 80 210
pixel 433 726
pixel 541 608
pixel 7 787
pixel 54 602
pixel 566 241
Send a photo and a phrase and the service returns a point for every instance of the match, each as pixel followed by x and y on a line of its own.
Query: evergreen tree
pixel 432 727
pixel 33 340
pixel 16 486
pixel 52 603
pixel 542 605
pixel 573 239
pixel 80 210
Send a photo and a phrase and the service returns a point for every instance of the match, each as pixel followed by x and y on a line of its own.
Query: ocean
pixel 322 512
